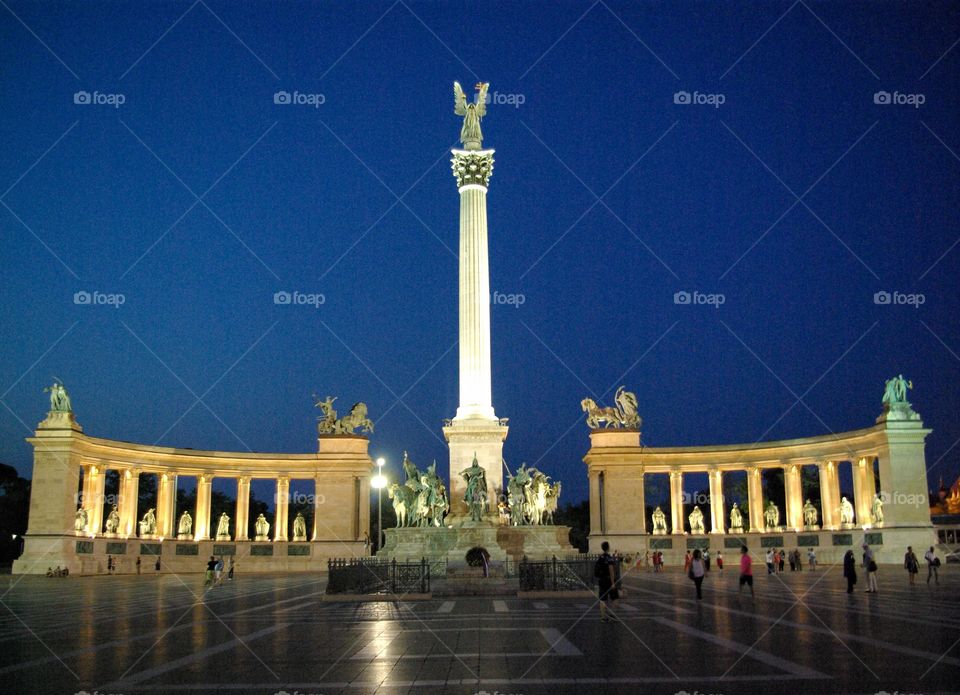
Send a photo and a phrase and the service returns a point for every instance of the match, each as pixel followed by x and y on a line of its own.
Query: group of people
pixel 697 565
pixel 112 564
pixel 214 573
pixel 59 572
pixel 776 559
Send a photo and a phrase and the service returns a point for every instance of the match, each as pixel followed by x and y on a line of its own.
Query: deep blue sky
pixel 297 190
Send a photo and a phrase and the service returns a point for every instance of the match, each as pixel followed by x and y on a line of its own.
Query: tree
pixel 577 517
pixel 14 510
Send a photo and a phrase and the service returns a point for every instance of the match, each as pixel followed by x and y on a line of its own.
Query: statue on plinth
pixel 736 519
pixel 877 510
pixel 470 134
pixel 223 527
pixel 846 512
pixel 475 496
pixel 299 528
pixel 148 524
pixel 59 399
pixel 185 525
pixel 696 520
pixel 516 495
pixel 329 423
pixel 432 504
pixel 771 516
pixel 809 515
pixel 659 522
pixel 404 500
pixel 895 404
pixel 113 520
pixel 80 521
pixel 625 415
pixel 261 528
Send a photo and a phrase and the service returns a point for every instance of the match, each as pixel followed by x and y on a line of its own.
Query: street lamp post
pixel 379 482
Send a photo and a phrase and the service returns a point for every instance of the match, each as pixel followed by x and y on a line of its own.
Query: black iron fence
pixel 559 574
pixel 373 576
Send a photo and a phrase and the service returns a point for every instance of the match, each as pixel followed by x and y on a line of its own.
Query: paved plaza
pixel 276 633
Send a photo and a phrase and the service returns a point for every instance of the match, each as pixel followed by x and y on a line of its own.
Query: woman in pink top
pixel 746 570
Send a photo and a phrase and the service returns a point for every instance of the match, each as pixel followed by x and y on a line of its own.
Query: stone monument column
pixel 676 501
pixel 793 494
pixel 166 504
pixel 717 506
pixel 829 494
pixel 242 512
pixel 283 506
pixel 98 479
pixel 755 500
pixel 476 430
pixel 202 517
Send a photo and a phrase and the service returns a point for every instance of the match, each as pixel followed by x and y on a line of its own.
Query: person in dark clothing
pixel 850 570
pixel 606 571
pixel 211 566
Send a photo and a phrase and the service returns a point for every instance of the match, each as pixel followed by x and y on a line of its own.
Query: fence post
pixel 554 572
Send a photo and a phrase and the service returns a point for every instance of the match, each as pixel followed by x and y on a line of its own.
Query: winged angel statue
pixel 470 134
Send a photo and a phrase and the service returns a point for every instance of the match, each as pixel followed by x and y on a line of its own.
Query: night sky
pixel 198 198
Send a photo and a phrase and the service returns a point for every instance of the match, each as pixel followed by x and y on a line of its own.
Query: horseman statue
pixel 422 499
pixel 329 423
pixel 533 499
pixel 624 415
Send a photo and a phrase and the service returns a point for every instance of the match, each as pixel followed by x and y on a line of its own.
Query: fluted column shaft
pixel 283 505
pixel 755 500
pixel 204 488
pixel 717 507
pixel 676 501
pixel 166 503
pixel 243 509
pixel 793 494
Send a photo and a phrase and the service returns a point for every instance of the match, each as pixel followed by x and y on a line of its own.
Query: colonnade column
pixel 98 476
pixel 317 501
pixel 86 494
pixel 755 500
pixel 863 489
pixel 829 494
pixel 166 504
pixel 127 505
pixel 243 509
pixel 641 505
pixel 793 493
pixel 283 506
pixel 202 526
pixel 596 519
pixel 676 500
pixel 717 508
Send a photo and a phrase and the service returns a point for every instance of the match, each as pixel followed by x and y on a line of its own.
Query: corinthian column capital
pixel 472 167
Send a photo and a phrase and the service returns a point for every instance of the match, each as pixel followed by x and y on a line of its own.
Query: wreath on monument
pixel 477 557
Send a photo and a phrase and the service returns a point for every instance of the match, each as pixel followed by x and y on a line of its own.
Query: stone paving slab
pixel 276 634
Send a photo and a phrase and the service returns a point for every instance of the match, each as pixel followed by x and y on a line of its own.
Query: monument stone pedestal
pixel 450 545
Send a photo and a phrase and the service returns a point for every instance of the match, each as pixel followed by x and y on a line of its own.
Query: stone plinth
pixel 468 438
pixel 501 542
pixel 614 437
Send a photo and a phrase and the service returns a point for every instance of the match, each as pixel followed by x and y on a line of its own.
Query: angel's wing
pixel 482 99
pixel 459 100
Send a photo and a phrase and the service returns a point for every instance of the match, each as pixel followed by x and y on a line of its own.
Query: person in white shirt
pixel 933 565
pixel 697 570
pixel 812 559
pixel 769 562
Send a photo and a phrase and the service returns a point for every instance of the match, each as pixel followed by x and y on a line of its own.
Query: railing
pixel 373 576
pixel 559 574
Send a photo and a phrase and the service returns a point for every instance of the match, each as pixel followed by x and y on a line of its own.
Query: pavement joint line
pixel 445 607
pixel 500 606
pixel 764 657
pixel 559 644
pixel 192 658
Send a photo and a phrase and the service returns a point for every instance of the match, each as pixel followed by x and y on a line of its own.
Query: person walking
pixel 793 564
pixel 706 559
pixel 933 565
pixel 109 564
pixel 850 570
pixel 138 564
pixel 211 566
pixel 799 559
pixel 911 564
pixel 812 559
pixel 781 561
pixel 697 571
pixel 746 570
pixel 769 559
pixel 605 572
pixel 687 559
pixel 230 573
pixel 218 571
pixel 156 565
pixel 720 561
pixel 870 565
